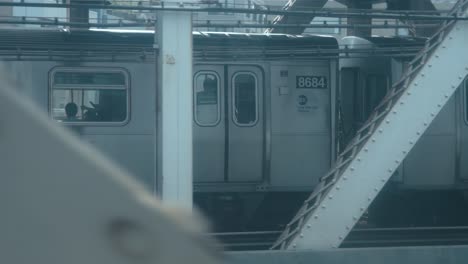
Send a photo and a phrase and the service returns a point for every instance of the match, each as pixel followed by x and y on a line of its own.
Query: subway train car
pixel 269 115
pixel 263 107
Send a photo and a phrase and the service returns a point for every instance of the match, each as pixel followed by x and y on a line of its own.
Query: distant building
pixel 227 18
pixel 6 11
pixel 32 13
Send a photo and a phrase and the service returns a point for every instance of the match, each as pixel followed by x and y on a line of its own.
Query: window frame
pixel 465 106
pixel 195 116
pixel 125 87
pixel 233 94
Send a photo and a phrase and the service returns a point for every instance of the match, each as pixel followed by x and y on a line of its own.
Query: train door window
pixel 376 89
pixel 466 99
pixel 206 96
pixel 89 95
pixel 245 105
pixel 349 102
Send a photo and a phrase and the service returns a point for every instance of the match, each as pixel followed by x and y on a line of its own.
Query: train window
pixel 466 100
pixel 206 97
pixel 87 95
pixel 89 78
pixel 244 89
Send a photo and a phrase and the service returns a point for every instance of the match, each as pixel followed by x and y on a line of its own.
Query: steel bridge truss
pixel 380 146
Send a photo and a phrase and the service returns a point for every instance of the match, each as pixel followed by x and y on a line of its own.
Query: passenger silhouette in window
pixel 91 113
pixel 71 109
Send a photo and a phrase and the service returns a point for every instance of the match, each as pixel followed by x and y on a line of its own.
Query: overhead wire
pixel 183 8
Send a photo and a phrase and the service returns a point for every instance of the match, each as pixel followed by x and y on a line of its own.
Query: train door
pixel 372 89
pixel 209 129
pixel 462 133
pixel 360 93
pixel 245 124
pixel 228 124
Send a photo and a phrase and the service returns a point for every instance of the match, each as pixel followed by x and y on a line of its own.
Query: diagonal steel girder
pixel 296 5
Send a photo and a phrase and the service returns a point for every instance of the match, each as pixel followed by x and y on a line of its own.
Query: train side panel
pixel 461 153
pixel 301 124
pixel 130 143
pixel 431 163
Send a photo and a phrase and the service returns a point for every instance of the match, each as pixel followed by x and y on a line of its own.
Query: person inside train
pixel 91 113
pixel 71 109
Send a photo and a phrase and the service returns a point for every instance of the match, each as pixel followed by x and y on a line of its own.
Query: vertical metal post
pixel 359 32
pixel 174 40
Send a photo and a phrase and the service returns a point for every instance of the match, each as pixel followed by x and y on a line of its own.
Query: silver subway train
pixel 271 112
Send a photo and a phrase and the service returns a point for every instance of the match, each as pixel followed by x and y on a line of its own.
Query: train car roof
pixel 240 46
pixel 397 47
pixel 206 44
pixel 226 38
pixel 382 41
pixel 146 38
pixel 119 44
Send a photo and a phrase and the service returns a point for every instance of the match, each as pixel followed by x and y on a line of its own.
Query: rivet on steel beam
pixel 340 238
pixel 394 112
pixel 362 208
pixel 411 142
pixel 432 114
pixel 460 77
pixel 330 197
pixel 294 245
pixel 397 161
pixel 354 218
pixel 430 65
pixel 369 199
pixel 373 140
pixel 315 216
pixel 439 105
pixel 301 235
pixel 387 121
pixel 446 96
pixel 345 178
pixel 402 102
pixel 358 159
pixel 380 130
pixel 389 170
pixel 308 226
pixel 404 152
pixel 352 168
pixel 453 86
pixel 383 180
pixel 366 149
pixel 376 190
pixel 415 84
pixel 337 188
pixel 418 133
pixel 423 74
pixel 444 47
pixel 408 93
pixel 450 37
pixel 323 207
pixel 437 56
pixel 347 227
pixel 425 124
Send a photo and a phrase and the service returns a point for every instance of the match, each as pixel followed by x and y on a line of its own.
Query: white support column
pixel 174 40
